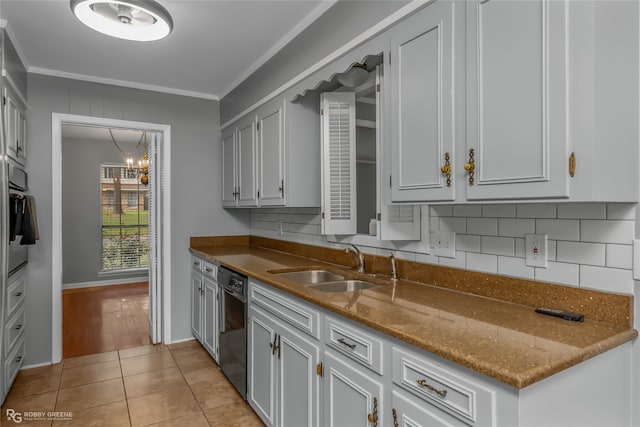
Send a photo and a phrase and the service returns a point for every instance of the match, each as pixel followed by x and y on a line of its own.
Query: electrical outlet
pixel 536 250
pixel 443 243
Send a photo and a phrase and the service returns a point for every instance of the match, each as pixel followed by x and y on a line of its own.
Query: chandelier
pixel 142 171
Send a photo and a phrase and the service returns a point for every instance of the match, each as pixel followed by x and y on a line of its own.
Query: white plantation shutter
pixel 155 273
pixel 338 163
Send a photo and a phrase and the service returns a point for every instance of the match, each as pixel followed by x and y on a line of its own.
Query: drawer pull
pixel 18 359
pixel 208 270
pixel 19 294
pixel 373 417
pixel 343 342
pixel 196 263
pixel 423 383
pixel 395 417
pixel 18 327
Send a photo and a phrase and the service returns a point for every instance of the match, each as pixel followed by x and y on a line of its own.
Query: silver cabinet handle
pixel 18 327
pixel 18 359
pixel 208 270
pixel 343 342
pixel 19 294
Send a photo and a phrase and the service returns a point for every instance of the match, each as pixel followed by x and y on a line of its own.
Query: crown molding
pixel 122 83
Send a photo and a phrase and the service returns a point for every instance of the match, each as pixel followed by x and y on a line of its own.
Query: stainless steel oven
pixel 18 187
pixel 233 327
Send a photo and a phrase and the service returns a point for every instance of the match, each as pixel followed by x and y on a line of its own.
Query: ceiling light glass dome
pixel 125 19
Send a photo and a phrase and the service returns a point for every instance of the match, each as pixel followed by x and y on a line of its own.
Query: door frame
pixel 164 303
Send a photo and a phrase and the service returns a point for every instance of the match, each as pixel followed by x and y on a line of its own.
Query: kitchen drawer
pixel 354 343
pixel 13 330
pixel 210 270
pixel 15 293
pixel 410 411
pixel 12 365
pixel 197 263
pixel 441 387
pixel 296 313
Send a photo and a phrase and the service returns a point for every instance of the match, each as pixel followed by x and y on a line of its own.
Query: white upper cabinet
pixel 338 113
pixel 271 153
pixel 247 162
pixel 16 125
pixel 270 157
pixel 422 105
pixel 517 140
pixel 229 168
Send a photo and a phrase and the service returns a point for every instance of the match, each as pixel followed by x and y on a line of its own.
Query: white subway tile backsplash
pixel 515 227
pixel 467 243
pixel 516 267
pixel 542 210
pixel 441 210
pixel 606 279
pixel 497 245
pixel 582 211
pixel 460 261
pixel 620 256
pixel 499 211
pixel 467 210
pixel 611 231
pixel 581 253
pixel 559 229
pixel 520 248
pixel 482 226
pixel 458 225
pixel 482 262
pixel 621 211
pixel 559 272
pixel 589 244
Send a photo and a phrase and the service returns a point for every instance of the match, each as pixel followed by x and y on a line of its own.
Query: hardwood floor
pixel 105 318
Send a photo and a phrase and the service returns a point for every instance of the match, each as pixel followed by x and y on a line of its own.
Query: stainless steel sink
pixel 343 286
pixel 311 276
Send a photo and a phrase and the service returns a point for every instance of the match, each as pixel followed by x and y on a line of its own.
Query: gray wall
pixel 343 22
pixel 195 186
pixel 81 249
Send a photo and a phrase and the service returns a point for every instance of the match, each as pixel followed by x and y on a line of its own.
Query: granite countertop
pixel 506 341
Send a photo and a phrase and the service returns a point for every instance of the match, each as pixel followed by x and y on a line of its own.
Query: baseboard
pixel 180 341
pixel 37 365
pixel 108 282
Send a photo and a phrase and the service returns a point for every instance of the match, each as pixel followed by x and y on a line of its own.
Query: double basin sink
pixel 325 281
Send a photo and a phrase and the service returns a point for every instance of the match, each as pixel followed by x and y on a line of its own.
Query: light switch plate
pixel 443 243
pixel 536 250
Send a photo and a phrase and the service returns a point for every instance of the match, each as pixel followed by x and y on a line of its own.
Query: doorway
pixel 159 222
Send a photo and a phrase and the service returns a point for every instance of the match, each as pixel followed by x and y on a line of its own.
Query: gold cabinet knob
pixel 446 169
pixel 469 167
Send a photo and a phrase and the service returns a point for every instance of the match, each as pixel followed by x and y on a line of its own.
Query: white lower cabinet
pixel 283 386
pixel 13 330
pixel 205 305
pixel 352 396
pixel 357 376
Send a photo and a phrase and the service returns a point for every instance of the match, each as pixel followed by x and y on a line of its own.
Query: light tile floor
pixel 176 385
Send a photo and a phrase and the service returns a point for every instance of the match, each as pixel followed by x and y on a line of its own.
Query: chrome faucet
pixel 394 270
pixel 359 256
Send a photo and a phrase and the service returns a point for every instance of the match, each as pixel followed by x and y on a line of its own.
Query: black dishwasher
pixel 233 327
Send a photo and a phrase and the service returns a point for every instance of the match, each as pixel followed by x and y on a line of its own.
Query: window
pixel 124 220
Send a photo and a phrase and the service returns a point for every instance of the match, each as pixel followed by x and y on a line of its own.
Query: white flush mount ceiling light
pixel 138 20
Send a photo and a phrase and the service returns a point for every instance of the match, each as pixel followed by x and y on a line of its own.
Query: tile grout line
pixel 190 389
pixel 126 399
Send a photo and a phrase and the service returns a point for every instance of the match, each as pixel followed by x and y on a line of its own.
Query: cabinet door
pixel 516 99
pixel 422 108
pixel 247 163
pixel 411 412
pixel 351 395
pixel 210 318
pixel 298 382
pixel 196 304
pixel 271 136
pixel 22 135
pixel 261 366
pixel 229 168
pixel 11 122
